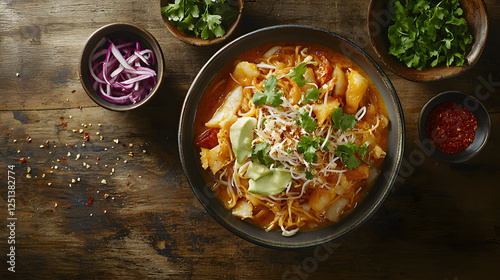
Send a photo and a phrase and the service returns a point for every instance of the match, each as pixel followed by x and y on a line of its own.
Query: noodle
pixel 323 184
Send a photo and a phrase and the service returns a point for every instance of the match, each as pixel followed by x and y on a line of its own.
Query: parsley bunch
pixel 207 19
pixel 426 33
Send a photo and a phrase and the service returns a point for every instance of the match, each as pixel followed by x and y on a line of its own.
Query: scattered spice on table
pixel 450 127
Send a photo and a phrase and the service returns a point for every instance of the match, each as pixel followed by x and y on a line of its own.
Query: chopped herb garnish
pixel 297 74
pixel 347 152
pixel 261 154
pixel 311 95
pixel 307 122
pixel 309 175
pixel 309 145
pixel 343 121
pixel 206 19
pixel 426 33
pixel 270 96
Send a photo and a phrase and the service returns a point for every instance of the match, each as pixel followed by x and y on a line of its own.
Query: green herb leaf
pixel 346 154
pixel 207 19
pixel 309 175
pixel 297 74
pixel 261 154
pixel 307 122
pixel 427 33
pixel 309 145
pixel 343 121
pixel 311 95
pixel 270 96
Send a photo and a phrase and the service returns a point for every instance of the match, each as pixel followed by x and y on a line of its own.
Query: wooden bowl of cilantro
pixel 427 40
pixel 201 23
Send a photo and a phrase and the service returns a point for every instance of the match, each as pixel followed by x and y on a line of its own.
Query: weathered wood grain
pixel 442 221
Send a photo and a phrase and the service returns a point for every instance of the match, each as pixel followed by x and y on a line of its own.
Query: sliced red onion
pixel 120 71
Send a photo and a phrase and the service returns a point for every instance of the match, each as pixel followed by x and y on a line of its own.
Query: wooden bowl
pixel 379 19
pixel 128 32
pixel 197 41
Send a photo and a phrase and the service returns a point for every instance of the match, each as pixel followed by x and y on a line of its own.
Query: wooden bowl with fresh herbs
pixel 421 57
pixel 199 25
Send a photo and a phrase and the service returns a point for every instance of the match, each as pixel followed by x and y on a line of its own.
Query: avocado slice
pixel 270 184
pixel 256 170
pixel 241 136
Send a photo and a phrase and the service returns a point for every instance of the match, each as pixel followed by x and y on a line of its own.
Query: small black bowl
pixel 128 32
pixel 468 102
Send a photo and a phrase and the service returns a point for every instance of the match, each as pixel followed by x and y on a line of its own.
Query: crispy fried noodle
pixel 297 139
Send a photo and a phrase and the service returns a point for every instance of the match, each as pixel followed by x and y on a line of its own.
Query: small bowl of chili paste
pixel 453 126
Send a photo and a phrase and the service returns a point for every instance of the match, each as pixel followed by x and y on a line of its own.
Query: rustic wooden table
pixel 442 221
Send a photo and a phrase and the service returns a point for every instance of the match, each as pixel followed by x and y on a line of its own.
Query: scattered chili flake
pixel 90 201
pixel 128 182
pixel 63 124
pixel 61 118
pixel 87 136
pixel 22 160
pixel 450 127
pixel 67 206
pixel 28 139
pixel 73 91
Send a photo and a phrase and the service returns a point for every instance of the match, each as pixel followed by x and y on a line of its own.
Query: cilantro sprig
pixel 207 19
pixel 309 145
pixel 426 33
pixel 343 121
pixel 347 153
pixel 311 95
pixel 271 95
pixel 261 154
pixel 307 122
pixel 297 74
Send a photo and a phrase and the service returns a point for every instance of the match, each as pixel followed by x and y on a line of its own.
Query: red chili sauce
pixel 450 127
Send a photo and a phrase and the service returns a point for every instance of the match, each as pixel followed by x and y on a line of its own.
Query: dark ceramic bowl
pixel 127 32
pixel 189 154
pixel 468 102
pixel 379 19
pixel 197 41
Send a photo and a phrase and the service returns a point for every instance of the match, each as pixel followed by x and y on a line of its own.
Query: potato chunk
pixel 323 111
pixel 356 89
pixel 245 72
pixel 228 108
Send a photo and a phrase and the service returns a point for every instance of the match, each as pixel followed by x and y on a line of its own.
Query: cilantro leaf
pixel 261 154
pixel 206 19
pixel 270 96
pixel 426 33
pixel 343 121
pixel 309 175
pixel 311 95
pixel 309 145
pixel 297 74
pixel 307 122
pixel 346 154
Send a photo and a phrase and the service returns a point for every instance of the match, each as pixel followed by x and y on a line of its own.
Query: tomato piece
pixel 324 70
pixel 208 139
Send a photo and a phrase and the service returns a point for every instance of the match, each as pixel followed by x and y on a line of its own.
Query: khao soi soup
pixel 291 135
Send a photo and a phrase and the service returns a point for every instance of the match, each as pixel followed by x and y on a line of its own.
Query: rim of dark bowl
pixel 145 38
pixel 468 102
pixel 192 167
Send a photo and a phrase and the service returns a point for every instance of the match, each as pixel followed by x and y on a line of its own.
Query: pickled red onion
pixel 120 71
